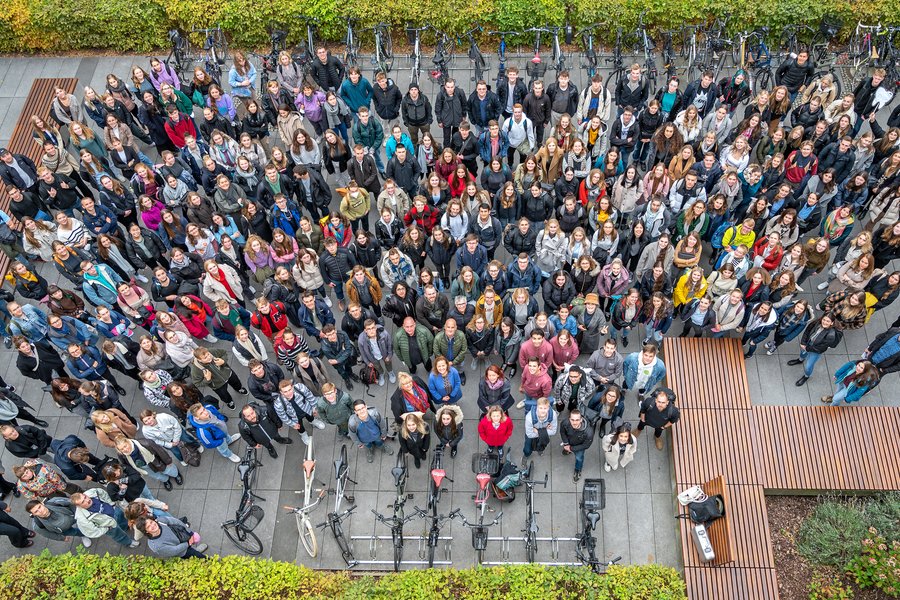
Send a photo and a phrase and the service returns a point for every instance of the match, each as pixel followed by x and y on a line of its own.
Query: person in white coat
pixel 619 448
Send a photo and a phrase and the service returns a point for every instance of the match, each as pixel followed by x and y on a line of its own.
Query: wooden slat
pixel 37 103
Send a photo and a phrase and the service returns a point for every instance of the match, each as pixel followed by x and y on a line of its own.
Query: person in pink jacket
pixel 536 347
pixel 536 383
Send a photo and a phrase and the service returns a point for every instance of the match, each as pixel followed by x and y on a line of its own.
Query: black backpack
pixel 707 511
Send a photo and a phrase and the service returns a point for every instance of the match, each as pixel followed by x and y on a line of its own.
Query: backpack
pixel 719 234
pixel 368 375
pixel 708 510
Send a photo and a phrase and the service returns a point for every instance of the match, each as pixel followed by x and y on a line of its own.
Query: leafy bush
pixel 831 534
pixel 91 577
pixel 878 564
pixel 62 25
pixel 827 586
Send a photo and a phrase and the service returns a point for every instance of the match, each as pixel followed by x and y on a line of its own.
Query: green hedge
pixel 129 26
pixel 91 577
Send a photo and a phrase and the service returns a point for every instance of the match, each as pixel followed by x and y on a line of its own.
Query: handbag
pixel 7 235
pixel 190 454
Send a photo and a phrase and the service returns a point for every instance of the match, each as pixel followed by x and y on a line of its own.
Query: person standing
pixel 658 411
pixel 54 518
pixel 210 369
pixel 450 110
pixel 96 516
pixel 415 437
pixel 448 427
pixel 451 344
pixel 495 429
pixel 19 535
pixel 369 428
pixel 853 380
pixel 643 370
pixel 563 96
pixel 294 404
pixel 210 428
pixel 169 537
pixel 340 353
pixel 884 351
pixel 335 407
pixel 577 435
pixel 619 448
pixel 541 423
pixel 412 345
pixel 258 429
pixel 376 350
pixel 819 336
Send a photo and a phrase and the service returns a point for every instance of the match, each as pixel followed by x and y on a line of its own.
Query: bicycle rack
pixel 422 544
pixel 506 546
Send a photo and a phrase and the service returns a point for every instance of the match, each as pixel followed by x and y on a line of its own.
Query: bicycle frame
pixel 531 527
pixel 479 63
pixel 336 517
pixel 235 529
pixel 590 54
pixel 351 45
pixel 501 55
pixel 304 526
pixel 383 59
pixel 443 54
pixel 415 57
pixel 535 68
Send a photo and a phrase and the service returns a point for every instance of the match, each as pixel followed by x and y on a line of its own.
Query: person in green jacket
pixel 210 369
pixel 404 349
pixel 451 344
pixel 335 407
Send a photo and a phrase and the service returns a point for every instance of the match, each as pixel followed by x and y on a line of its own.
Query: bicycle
pixel 559 57
pixel 415 37
pixel 214 50
pixel 484 465
pixel 304 525
pixel 790 43
pixel 305 54
pixel 536 67
pixel 384 49
pixel 396 522
pixel 335 518
pixel 179 55
pixel 531 526
pixel 755 59
pixel 268 63
pixel 501 55
pixel 690 51
pixel 591 64
pixel 351 44
pixel 438 475
pixel 618 63
pixel 593 500
pixel 646 47
pixel 717 47
pixel 668 56
pixel 443 54
pixel 863 52
pixel 248 515
pixel 479 62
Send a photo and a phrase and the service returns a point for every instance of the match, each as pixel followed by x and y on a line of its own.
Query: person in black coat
pixel 38 361
pixel 632 90
pixel 795 73
pixel 450 111
pixel 258 429
pixel 265 192
pixel 26 441
pixel 74 459
pixel 25 204
pixel 327 70
pixel 465 143
pixel 511 90
pixel 483 106
pixel 398 403
pixel 703 93
pixel 386 98
pixel 884 351
pixel 19 536
pixel 400 303
pixel 262 384
pixel 123 482
pixel 819 336
pixel 15 168
pixel 404 170
pixel 311 191
pixel 415 437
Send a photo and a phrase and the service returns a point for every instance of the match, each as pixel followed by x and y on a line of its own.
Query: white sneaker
pixel 474 364
pixel 86 542
pixel 392 377
pixel 304 437
pixel 184 464
pixel 234 438
pixel 141 278
pixel 606 467
pixel 318 423
pixel 200 449
pixel 328 301
pixel 381 380
pixel 134 544
pixel 234 458
pixel 520 404
pixel 211 339
pixel 822 285
pixel 201 547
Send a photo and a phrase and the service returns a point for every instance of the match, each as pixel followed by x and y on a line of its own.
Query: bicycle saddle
pixel 483 479
pixel 308 467
pixel 593 517
pixel 242 469
pixel 398 473
pixel 438 476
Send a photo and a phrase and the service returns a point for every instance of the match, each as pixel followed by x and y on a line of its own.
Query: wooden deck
pixel 755 449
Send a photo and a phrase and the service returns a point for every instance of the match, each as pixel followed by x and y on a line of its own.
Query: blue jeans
pixel 641 150
pixel 809 361
pixel 376 444
pixel 529 402
pixel 654 335
pixel 170 471
pixel 120 533
pixel 224 450
pixel 614 333
pixel 579 459
pixel 840 394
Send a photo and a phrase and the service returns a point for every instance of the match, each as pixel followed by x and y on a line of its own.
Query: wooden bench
pixel 38 102
pixel 707 373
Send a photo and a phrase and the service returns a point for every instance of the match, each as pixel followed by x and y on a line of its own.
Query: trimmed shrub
pixel 91 577
pixel 123 26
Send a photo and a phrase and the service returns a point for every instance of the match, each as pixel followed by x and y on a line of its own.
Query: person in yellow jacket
pixel 690 285
pixel 355 205
pixel 739 234
pixel 363 289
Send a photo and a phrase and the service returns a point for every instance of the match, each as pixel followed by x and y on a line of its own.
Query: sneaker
pixel 520 404
pixel 201 547
pixel 576 476
pixel 10 388
pixel 211 339
pixel 272 452
pixel 243 391
pixel 392 378
pixel 327 301
pixel 304 437
pixel 141 278
pixel 200 449
pixel 381 380
pixel 624 341
pixel 474 364
pixel 230 405
pixel 7 342
pixel 348 384
pixel 770 348
pixel 607 468
pixel 822 285
pixel 252 290
pixel 370 455
pixel 234 438
pixel 234 458
pixel 134 544
pixel 183 464
pixel 318 423
pixel 86 542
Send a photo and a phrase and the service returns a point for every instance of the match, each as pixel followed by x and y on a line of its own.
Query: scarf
pixel 249 347
pixel 417 399
pixel 494 386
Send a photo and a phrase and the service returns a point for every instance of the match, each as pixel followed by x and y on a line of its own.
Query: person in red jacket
pixel 422 214
pixel 495 429
pixel 767 252
pixel 269 317
pixel 178 125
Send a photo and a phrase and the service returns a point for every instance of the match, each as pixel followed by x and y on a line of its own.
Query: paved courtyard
pixel 637 523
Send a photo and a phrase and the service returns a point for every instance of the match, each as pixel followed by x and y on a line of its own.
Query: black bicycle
pixel 501 55
pixel 305 53
pixel 268 63
pixel 214 50
pixel 617 61
pixel 351 44
pixel 476 57
pixel 383 59
pixel 591 57
pixel 336 517
pixel 248 515
pixel 179 55
pixel 398 519
pixel 531 526
pixel 647 46
pixel 443 54
pixel 484 465
pixel 593 500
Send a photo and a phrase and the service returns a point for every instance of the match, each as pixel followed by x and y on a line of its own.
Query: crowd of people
pixel 326 233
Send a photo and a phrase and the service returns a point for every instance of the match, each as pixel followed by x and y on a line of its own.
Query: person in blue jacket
pixel 28 321
pixel 472 254
pixel 313 309
pixel 444 383
pixel 522 273
pixel 852 381
pixel 87 363
pixel 99 285
pixel 68 330
pixel 211 430
pixel 643 370
pixel 398 138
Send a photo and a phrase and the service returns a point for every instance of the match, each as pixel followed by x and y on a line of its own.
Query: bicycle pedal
pixel 409 496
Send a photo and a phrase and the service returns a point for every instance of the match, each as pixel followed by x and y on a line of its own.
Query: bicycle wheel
pixel 243 538
pixel 338 532
pixel 479 557
pixel 308 536
pixel 763 79
pixel 530 547
pixel 430 555
pixel 398 552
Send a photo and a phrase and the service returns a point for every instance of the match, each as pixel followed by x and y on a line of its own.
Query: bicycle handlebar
pixel 504 32
pixel 465 523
